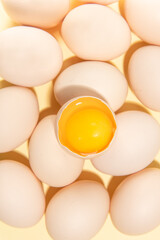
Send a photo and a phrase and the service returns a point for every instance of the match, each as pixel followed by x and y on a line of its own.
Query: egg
pixel 29 56
pixel 78 211
pixel 22 201
pixel 19 113
pixel 85 127
pixel 92 78
pixel 134 147
pixel 144 74
pixel 105 2
pixel 104 39
pixel 147 21
pixel 135 205
pixel 50 163
pixel 39 13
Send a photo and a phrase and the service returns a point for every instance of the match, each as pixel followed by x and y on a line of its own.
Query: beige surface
pixel 48 106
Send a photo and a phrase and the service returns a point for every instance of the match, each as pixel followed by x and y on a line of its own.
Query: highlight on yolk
pixel 86 126
pixel 88 131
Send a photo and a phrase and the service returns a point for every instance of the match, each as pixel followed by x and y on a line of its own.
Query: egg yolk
pixel 88 131
pixel 86 126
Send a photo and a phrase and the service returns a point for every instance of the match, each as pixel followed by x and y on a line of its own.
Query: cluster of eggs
pixel 86 126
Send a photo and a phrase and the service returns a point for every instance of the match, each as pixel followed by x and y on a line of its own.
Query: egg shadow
pixel 132 106
pixel 134 47
pixel 50 194
pixel 88 175
pixel 70 61
pixel 121 8
pixel 15 156
pixel 114 183
pixel 85 175
pixel 74 4
pixel 116 180
pixel 154 164
pixel 4 84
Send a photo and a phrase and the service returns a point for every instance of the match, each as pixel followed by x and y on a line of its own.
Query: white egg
pixel 105 2
pixel 96 32
pixel 19 115
pixel 39 13
pixel 135 205
pixel 92 78
pixel 146 24
pixel 144 75
pixel 77 211
pixel 22 201
pixel 135 146
pixel 50 163
pixel 29 56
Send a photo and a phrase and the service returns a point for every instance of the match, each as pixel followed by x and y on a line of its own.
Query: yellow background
pixel 48 106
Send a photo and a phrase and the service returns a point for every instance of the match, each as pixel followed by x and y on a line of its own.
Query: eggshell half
pixel 96 32
pixel 18 116
pixel 92 78
pixel 135 205
pixel 39 13
pixel 50 163
pixel 146 24
pixel 89 155
pixel 29 56
pixel 144 75
pixel 22 201
pixel 135 146
pixel 104 2
pixel 77 211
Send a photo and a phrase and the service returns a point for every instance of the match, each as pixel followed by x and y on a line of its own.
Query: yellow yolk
pixel 89 131
pixel 86 126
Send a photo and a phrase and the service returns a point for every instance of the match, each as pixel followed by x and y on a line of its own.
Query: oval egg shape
pixel 48 160
pixel 78 211
pixel 135 145
pixel 39 13
pixel 135 205
pixel 29 56
pixel 92 78
pixel 22 201
pixel 145 83
pixel 147 22
pixel 104 39
pixel 19 113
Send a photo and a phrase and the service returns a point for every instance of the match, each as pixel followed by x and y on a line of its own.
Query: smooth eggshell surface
pixel 135 146
pixel 19 115
pixel 22 201
pixel 29 56
pixel 39 13
pixel 92 78
pixel 48 160
pixel 96 32
pixel 77 211
pixel 144 75
pixel 147 21
pixel 105 2
pixel 135 205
